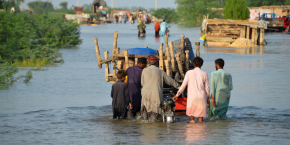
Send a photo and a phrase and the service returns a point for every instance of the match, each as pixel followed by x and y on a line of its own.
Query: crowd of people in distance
pixel 140 89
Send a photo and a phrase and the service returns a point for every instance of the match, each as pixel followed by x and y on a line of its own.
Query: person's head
pixel 142 62
pixel 121 75
pixel 152 60
pixel 219 63
pixel 164 20
pixel 197 62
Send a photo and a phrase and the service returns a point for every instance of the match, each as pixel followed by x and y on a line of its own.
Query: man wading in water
pixel 152 89
pixel 220 90
pixel 134 84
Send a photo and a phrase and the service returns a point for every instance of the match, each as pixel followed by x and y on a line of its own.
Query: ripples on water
pixel 69 103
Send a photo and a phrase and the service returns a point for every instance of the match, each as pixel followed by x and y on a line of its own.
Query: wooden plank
pixel 243 32
pixel 99 58
pixel 182 54
pixel 179 65
pixel 161 60
pixel 219 27
pixel 107 72
pixel 248 32
pixel 126 59
pixel 187 60
pixel 173 67
pixel 262 36
pixel 220 39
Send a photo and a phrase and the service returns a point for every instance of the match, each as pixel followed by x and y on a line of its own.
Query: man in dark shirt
pixel 120 96
pixel 134 84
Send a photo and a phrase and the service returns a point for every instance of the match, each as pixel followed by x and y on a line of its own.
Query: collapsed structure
pixel 225 32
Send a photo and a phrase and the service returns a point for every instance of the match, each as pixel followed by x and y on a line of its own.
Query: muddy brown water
pixel 69 103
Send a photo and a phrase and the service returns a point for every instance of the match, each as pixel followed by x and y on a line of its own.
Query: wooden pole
pixel 207 16
pixel 99 58
pixel 168 72
pixel 182 55
pixel 243 32
pixel 126 59
pixel 172 56
pixel 161 61
pixel 187 60
pixel 197 49
pixel 253 35
pixel 136 60
pixel 115 42
pixel 179 65
pixel 166 41
pixel 262 36
pixel 248 32
pixel 107 66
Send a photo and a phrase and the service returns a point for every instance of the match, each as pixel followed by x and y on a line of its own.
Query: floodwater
pixel 69 103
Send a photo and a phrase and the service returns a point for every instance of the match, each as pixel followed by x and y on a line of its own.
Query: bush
pixel 29 41
pixel 192 11
pixel 236 10
pixel 169 14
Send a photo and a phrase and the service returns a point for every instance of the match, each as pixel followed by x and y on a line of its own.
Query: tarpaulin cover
pixel 187 44
pixel 142 51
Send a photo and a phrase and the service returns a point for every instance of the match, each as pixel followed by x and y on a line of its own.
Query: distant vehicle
pixel 274 24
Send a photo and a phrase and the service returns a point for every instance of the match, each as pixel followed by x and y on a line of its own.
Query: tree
pixel 63 5
pixel 192 11
pixel 287 2
pixel 40 6
pixel 169 14
pixel 7 4
pixel 258 3
pixel 236 10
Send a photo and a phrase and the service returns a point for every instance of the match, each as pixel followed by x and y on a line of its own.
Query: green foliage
pixel 8 4
pixel 7 74
pixel 258 3
pixel 169 14
pixel 192 11
pixel 40 7
pixel 236 10
pixel 63 5
pixel 30 41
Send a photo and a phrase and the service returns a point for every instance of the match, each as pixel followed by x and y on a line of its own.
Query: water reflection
pixel 244 50
pixel 196 133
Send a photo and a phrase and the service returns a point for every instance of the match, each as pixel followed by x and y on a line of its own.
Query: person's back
pixel 120 96
pixel 134 84
pixel 141 26
pixel 152 80
pixel 221 85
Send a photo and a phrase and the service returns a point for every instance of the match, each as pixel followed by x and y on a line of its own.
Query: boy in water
pixel 120 96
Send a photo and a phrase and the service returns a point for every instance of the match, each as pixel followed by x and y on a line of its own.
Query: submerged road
pixel 69 103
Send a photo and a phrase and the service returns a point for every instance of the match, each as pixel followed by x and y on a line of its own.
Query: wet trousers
pixel 151 116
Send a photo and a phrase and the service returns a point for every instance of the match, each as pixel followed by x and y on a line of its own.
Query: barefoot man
pixel 220 91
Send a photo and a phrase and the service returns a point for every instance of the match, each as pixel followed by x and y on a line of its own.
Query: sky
pixel 117 3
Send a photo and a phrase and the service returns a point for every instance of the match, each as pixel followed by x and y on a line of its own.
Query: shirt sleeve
pixel 127 94
pixel 206 85
pixel 212 86
pixel 184 84
pixel 112 91
pixel 168 80
pixel 230 83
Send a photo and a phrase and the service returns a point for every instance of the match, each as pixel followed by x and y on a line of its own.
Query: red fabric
pixel 286 24
pixel 157 26
pixel 180 104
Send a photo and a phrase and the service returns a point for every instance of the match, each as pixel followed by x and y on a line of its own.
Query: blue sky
pixel 117 3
